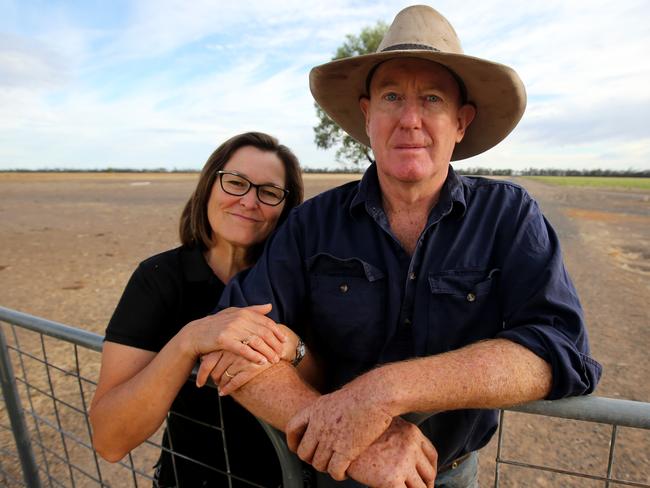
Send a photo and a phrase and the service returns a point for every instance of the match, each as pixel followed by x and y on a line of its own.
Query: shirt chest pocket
pixel 463 307
pixel 346 307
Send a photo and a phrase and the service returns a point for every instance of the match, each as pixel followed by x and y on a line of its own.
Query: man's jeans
pixel 464 476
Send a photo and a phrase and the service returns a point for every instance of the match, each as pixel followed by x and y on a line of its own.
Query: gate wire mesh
pixel 55 378
pixel 55 367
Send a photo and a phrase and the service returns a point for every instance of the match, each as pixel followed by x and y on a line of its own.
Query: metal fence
pixel 48 373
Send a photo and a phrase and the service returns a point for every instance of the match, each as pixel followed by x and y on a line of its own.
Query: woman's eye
pixel 270 193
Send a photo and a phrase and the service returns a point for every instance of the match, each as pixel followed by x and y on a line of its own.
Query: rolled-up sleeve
pixel 542 311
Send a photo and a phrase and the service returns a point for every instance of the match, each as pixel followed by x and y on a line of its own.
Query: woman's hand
pixel 230 371
pixel 246 332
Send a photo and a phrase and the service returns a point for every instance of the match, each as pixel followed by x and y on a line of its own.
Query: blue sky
pixel 148 84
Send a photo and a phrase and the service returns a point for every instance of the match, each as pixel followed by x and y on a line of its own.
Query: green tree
pixel 327 133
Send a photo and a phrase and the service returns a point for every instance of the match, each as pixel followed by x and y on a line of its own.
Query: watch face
pixel 300 353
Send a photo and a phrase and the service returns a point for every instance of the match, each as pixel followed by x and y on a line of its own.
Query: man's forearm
pixel 489 374
pixel 276 395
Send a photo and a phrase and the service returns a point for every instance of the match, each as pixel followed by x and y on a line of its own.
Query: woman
pixel 162 326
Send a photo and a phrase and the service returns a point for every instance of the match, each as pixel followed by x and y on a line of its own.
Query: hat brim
pixel 495 89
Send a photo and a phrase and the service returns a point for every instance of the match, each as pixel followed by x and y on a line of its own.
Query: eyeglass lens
pixel 239 186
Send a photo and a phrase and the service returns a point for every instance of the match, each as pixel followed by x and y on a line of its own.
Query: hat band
pixel 402 47
pixel 407 47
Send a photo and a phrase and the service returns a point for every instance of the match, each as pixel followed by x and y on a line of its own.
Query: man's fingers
pixel 307 448
pixel 427 472
pixel 415 481
pixel 338 466
pixel 321 458
pixel 430 452
pixel 296 428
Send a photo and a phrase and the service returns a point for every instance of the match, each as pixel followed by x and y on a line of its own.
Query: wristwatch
pixel 300 353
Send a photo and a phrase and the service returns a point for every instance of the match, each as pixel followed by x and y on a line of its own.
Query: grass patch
pixel 596 181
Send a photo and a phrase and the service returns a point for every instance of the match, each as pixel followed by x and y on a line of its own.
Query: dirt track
pixel 68 243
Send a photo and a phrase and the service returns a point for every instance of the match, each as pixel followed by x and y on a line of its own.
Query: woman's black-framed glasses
pixel 237 185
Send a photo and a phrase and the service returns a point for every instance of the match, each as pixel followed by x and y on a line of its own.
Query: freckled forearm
pixel 276 395
pixel 488 374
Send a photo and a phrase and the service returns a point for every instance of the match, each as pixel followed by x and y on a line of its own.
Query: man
pixel 416 289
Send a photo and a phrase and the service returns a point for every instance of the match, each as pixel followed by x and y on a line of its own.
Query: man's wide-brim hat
pixel 421 32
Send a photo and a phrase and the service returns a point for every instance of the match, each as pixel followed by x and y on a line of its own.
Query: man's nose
pixel 411 114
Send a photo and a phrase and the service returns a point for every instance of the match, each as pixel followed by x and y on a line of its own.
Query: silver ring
pixel 228 374
pixel 246 341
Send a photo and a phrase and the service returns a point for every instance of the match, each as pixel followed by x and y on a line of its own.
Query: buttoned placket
pixel 405 320
pixel 415 266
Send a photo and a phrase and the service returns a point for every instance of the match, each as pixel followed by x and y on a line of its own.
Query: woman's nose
pixel 249 200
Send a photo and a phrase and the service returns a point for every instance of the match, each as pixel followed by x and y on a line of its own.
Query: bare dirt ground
pixel 69 242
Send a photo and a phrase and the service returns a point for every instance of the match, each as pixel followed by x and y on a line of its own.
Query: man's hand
pixel 333 431
pixel 402 456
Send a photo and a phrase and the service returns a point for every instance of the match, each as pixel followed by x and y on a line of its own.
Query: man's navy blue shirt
pixel 487 265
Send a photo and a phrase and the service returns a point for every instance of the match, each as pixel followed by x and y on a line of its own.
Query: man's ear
pixel 364 105
pixel 466 114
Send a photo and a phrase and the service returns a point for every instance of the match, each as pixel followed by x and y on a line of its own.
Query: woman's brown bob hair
pixel 194 225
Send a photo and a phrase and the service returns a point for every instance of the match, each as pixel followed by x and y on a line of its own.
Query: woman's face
pixel 245 221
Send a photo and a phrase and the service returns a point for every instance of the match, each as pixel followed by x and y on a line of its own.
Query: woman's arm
pixel 137 387
pixel 135 391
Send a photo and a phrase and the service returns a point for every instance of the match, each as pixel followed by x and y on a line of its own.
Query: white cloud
pixel 165 81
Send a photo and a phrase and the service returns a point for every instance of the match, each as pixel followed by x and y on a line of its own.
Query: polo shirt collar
pixel 369 193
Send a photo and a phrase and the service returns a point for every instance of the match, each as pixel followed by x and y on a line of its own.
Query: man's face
pixel 414 119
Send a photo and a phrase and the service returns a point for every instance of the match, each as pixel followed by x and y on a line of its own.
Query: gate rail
pixel 614 412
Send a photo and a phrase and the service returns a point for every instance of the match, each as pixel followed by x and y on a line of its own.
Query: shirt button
pixel 411 276
pixel 407 321
pixel 471 297
pixel 343 288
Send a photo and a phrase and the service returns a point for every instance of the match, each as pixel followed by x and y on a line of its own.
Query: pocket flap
pixel 461 283
pixel 328 265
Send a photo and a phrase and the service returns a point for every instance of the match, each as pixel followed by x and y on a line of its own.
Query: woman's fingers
pixel 218 374
pixel 256 343
pixel 208 362
pixel 244 349
pixel 263 310
pixel 265 328
pixel 240 377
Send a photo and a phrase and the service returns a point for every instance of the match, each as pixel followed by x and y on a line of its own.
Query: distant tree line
pixel 100 170
pixel 630 173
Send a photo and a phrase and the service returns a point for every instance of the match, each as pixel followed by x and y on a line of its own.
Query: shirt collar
pixel 452 193
pixel 195 267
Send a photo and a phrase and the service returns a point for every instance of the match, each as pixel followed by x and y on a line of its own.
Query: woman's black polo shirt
pixel 164 293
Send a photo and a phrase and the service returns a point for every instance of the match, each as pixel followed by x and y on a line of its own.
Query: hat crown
pixel 421 27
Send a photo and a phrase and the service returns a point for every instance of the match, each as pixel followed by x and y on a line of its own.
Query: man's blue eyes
pixel 393 97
